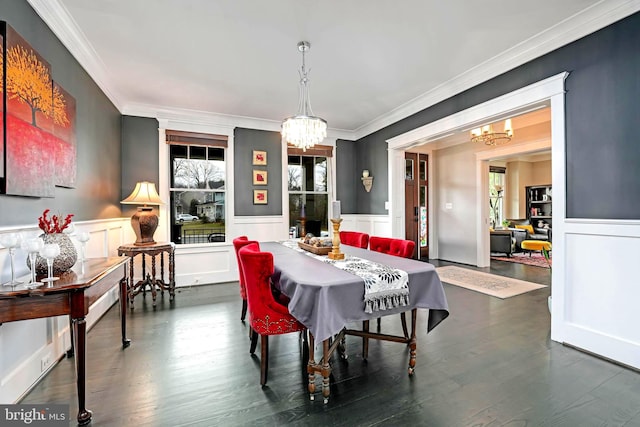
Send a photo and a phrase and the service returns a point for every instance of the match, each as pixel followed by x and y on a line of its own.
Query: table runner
pixel 384 287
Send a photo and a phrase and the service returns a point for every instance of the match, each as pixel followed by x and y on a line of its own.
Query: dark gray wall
pixel 347 176
pixel 245 141
pixel 139 155
pixel 602 116
pixel 97 194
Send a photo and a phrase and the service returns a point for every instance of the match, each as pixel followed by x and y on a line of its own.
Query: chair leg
pixel 403 320
pixel 264 358
pixel 254 340
pixel 379 324
pixel 365 340
pixel 244 310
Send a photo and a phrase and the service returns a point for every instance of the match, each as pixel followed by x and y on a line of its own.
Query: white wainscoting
pixel 26 343
pixel 373 225
pixel 599 302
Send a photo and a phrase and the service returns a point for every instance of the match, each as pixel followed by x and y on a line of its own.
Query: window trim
pixel 193 139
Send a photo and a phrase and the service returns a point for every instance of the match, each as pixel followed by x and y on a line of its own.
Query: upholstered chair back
pixel 239 242
pixel 353 238
pixel 397 247
pixel 266 315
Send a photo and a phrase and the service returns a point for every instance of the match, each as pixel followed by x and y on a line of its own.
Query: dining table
pixel 327 299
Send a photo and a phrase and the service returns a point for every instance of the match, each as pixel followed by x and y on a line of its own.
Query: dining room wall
pixel 245 141
pixel 98 127
pixel 347 175
pixel 139 154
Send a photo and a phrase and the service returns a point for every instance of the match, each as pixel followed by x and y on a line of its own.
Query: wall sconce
pixel 144 221
pixel 367 180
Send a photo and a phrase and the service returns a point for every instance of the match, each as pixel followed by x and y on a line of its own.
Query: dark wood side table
pixel 150 280
pixel 71 295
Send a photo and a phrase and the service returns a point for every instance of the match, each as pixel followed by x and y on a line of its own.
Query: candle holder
pixel 303 227
pixel 335 253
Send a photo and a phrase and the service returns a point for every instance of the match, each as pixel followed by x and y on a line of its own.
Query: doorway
pixel 416 196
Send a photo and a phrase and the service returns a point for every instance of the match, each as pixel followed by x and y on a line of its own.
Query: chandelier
pixel 487 135
pixel 304 130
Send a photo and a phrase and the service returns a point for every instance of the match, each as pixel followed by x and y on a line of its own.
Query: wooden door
pixel 416 196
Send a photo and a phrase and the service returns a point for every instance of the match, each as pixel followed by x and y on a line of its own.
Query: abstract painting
pixel 38 124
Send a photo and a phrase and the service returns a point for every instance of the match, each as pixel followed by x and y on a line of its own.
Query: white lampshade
pixel 144 194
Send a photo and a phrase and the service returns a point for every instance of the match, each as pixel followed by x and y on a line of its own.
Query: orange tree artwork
pixel 36 111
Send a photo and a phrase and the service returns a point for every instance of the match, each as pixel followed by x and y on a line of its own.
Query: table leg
pixel 326 371
pixel 80 332
pixel 161 273
pixel 172 277
pixel 311 367
pixel 123 309
pixel 413 342
pixel 153 279
pixel 131 285
pixel 144 274
pixel 70 351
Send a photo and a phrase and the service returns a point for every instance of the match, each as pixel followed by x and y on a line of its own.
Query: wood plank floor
pixel 491 363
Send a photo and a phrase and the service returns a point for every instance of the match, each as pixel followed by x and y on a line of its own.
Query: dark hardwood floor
pixel 491 363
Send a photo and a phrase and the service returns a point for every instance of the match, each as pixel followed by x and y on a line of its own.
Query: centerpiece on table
pixel 316 245
pixel 56 230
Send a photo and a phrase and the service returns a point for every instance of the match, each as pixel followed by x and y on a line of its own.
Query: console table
pixel 150 280
pixel 71 295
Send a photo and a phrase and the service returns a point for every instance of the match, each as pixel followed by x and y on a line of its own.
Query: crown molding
pixel 587 21
pixel 596 17
pixel 204 118
pixel 58 19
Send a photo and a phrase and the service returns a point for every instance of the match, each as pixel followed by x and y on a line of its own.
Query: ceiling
pixel 372 62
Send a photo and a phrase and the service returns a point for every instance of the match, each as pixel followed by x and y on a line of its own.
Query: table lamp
pixel 144 221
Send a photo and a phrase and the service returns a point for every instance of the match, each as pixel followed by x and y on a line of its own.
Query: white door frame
pixel 549 91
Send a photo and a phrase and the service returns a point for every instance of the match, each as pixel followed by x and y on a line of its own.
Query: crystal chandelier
pixel 489 137
pixel 304 130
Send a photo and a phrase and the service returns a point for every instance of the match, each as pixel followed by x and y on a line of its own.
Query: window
pixel 198 191
pixel 307 181
pixel 496 195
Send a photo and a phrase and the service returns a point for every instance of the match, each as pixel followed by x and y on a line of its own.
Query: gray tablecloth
pixel 325 298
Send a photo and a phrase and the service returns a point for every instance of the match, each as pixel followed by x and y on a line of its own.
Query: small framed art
pixel 259 197
pixel 259 158
pixel 259 177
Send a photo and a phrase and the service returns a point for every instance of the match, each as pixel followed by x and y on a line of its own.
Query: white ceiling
pixel 372 61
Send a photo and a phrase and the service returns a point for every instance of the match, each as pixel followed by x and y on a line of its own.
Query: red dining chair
pixel 353 238
pixel 239 242
pixel 266 315
pixel 397 247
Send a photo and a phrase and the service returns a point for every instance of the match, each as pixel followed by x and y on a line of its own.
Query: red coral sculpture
pixel 55 224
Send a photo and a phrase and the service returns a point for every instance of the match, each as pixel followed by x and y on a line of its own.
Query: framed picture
pixel 259 177
pixel 259 197
pixel 259 158
pixel 37 122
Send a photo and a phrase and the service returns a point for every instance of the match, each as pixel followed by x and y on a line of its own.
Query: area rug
pixel 490 284
pixel 536 259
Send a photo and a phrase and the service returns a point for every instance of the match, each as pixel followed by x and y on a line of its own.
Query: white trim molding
pixel 510 104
